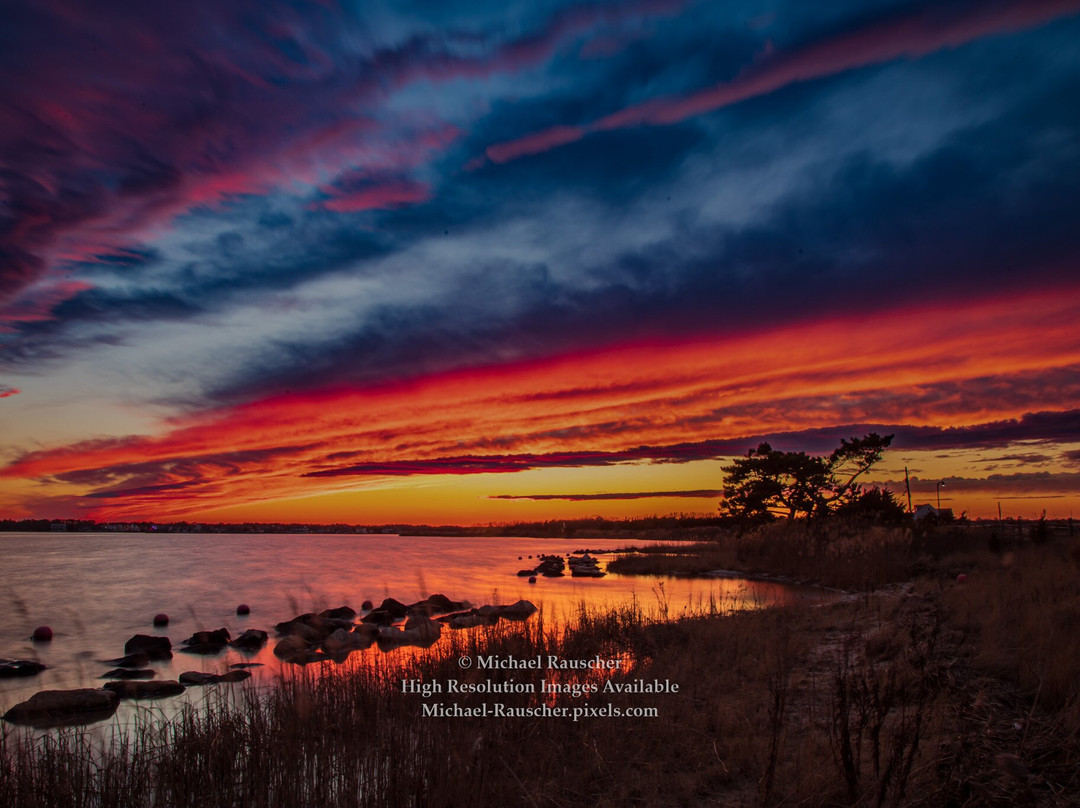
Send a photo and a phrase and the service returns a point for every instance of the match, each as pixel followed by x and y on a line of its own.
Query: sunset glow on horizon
pixel 544 263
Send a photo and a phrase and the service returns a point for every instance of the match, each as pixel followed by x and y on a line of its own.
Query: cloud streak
pixel 910 35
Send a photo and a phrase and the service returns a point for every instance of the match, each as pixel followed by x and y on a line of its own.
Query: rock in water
pixel 42 634
pixel 58 708
pixel 10 668
pixel 217 637
pixel 153 647
pixel 161 619
pixel 340 613
pixel 251 640
pixel 243 609
pixel 145 690
pixel 139 660
pixel 290 646
pixel 129 673
pixel 197 678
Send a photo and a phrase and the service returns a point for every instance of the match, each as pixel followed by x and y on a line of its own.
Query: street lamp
pixel 939 484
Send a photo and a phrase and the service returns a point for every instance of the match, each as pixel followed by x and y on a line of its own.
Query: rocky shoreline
pixel 328 636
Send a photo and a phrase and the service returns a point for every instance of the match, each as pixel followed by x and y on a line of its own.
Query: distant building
pixel 924 511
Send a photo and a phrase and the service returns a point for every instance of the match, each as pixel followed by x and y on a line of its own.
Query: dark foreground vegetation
pixel 939 690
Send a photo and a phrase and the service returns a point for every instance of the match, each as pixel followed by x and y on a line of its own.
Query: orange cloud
pixel 939 365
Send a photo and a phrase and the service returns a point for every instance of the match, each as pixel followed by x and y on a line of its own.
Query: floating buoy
pixel 243 608
pixel 161 619
pixel 42 634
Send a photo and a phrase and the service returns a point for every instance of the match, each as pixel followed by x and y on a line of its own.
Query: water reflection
pixel 97 590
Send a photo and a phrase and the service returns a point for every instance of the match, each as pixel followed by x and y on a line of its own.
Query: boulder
pixel 518 611
pixel 296 628
pixel 366 630
pixel 242 665
pixel 139 660
pixel 488 615
pixel 218 636
pixel 145 690
pixel 379 617
pixel 154 647
pixel 129 673
pixel 10 668
pixel 468 620
pixel 532 579
pixel 56 708
pixel 422 633
pixel 437 604
pixel 342 642
pixel 526 573
pixel 340 613
pixel 251 640
pixel 394 607
pixel 42 634
pixel 290 646
pixel 308 656
pixel 313 627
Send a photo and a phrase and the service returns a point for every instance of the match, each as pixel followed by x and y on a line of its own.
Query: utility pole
pixel 907 485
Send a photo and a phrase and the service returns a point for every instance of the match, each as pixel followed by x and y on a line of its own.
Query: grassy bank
pixel 930 692
pixel 841 554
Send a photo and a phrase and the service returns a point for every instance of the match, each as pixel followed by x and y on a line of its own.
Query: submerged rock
pixel 394 607
pixel 342 643
pixel 197 678
pixel 57 708
pixel 340 613
pixel 10 668
pixel 437 604
pixel 129 673
pixel 145 690
pixel 251 640
pixel 290 646
pixel 419 632
pixel 218 636
pixel 139 660
pixel 488 615
pixel 154 647
pixel 313 627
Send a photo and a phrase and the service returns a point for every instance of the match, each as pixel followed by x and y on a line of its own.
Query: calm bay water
pixel 97 590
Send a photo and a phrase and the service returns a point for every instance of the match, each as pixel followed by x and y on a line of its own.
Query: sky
pixel 426 262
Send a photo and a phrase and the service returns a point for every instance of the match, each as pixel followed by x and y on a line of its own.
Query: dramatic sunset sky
pixel 414 261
